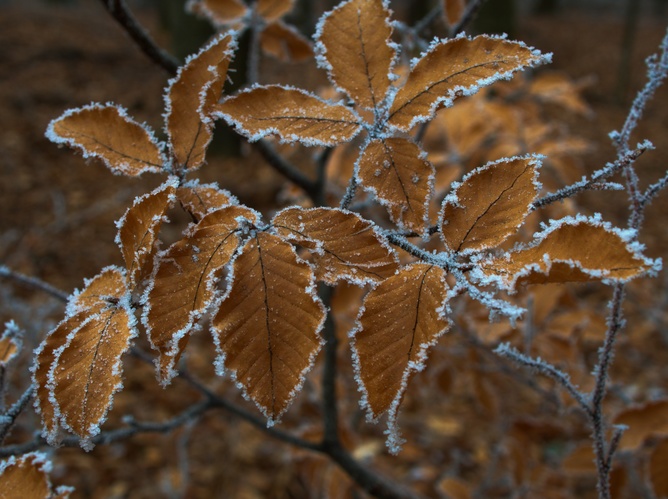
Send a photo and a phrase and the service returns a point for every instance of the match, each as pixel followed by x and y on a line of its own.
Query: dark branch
pixel 288 170
pixel 34 283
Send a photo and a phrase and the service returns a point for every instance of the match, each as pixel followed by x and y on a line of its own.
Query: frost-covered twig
pixel 350 193
pixel 7 420
pixel 120 12
pixel 33 282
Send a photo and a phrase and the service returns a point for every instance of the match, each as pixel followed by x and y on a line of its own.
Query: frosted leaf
pixel 27 477
pixel 200 199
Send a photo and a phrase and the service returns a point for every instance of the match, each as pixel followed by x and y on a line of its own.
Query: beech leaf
pixel 26 477
pixel 398 322
pixel 108 133
pixel 285 43
pixel 289 113
pixel 354 45
pixel 395 170
pixel 273 10
pixel 490 204
pixel 190 98
pixel 200 199
pixel 138 230
pixel 185 280
pixel 267 330
pixel 455 67
pixel 573 249
pixel 345 246
pixel 453 11
pixel 220 12
pixel 644 421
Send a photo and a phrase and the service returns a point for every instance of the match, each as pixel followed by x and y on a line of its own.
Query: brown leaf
pixel 138 231
pixel 401 179
pixel 454 488
pixel 267 329
pixel 273 10
pixel 291 114
pixel 10 344
pixel 459 66
pixel 108 284
pixel 453 11
pixel 354 40
pixel 190 98
pixel 490 204
pixel 345 246
pixel 185 282
pixel 645 420
pixel 220 12
pixel 108 133
pixel 657 469
pixel 26 477
pixel 399 320
pixel 285 43
pixel 200 199
pixel 576 249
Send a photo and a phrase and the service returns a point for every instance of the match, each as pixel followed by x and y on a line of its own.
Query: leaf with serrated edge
pixel 26 477
pixel 399 320
pixel 489 204
pixel 459 66
pixel 345 246
pixel 108 284
pixel 220 12
pixel 396 171
pixel 87 372
pixel 573 249
pixel 267 330
pixel 354 45
pixel 138 230
pixel 285 43
pixel 289 113
pixel 184 282
pixel 190 97
pixel 108 133
pixel 200 199
pixel 273 10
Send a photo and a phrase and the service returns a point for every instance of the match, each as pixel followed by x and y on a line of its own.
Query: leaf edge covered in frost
pixel 122 113
pixel 394 440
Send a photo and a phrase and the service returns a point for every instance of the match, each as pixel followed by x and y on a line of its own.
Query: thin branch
pixel 285 168
pixel 469 15
pixel 34 283
pixel 120 12
pixel 431 16
pixel 350 193
pixel 8 419
pixel 330 411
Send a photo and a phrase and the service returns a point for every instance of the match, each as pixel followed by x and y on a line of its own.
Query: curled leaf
pixel 489 204
pixel 395 170
pixel 108 133
pixel 455 67
pixel 267 329
pixel 185 280
pixel 398 322
pixel 574 249
pixel 354 42
pixel 345 246
pixel 190 98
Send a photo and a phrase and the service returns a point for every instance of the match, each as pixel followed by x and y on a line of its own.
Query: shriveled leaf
pixel 345 246
pixel 291 114
pixel 108 133
pixel 354 45
pixel 490 204
pixel 26 477
pixel 394 169
pixel 399 320
pixel 200 199
pixel 185 281
pixel 657 469
pixel 273 10
pixel 573 249
pixel 285 43
pixel 138 230
pixel 453 11
pixel 220 12
pixel 455 67
pixel 190 98
pixel 644 421
pixel 86 371
pixel 267 330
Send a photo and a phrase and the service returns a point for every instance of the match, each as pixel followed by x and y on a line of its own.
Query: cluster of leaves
pixel 257 282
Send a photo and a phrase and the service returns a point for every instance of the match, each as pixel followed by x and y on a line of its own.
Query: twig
pixel 285 168
pixel 330 411
pixel 120 12
pixel 469 15
pixel 350 193
pixel 14 411
pixel 34 283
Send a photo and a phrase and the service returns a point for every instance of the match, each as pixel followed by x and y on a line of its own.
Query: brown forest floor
pixel 57 223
